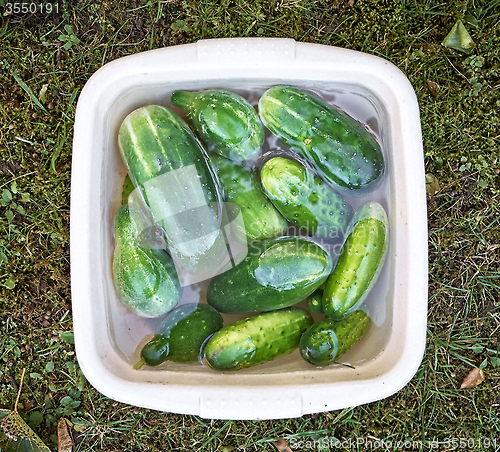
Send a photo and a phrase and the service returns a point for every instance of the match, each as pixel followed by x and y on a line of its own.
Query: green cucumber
pixel 304 199
pixel 173 175
pixel 276 273
pixel 337 146
pixel 127 189
pixel 256 340
pixel 326 340
pixel 241 186
pixel 225 121
pixel 361 259
pixel 181 335
pixel 315 302
pixel 145 279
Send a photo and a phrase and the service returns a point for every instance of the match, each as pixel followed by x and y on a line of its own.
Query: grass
pixel 41 76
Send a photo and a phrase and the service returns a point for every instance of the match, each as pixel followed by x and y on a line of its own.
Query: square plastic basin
pixel 107 336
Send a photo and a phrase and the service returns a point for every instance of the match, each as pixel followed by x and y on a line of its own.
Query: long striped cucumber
pixel 256 340
pixel 225 121
pixel 276 273
pixel 326 340
pixel 361 259
pixel 304 199
pixel 173 175
pixel 339 148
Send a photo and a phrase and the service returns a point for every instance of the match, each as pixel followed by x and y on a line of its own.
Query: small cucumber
pixel 326 340
pixel 241 186
pixel 315 302
pixel 173 175
pixel 257 339
pixel 276 273
pixel 304 199
pixel 225 121
pixel 360 262
pixel 182 335
pixel 145 279
pixel 338 147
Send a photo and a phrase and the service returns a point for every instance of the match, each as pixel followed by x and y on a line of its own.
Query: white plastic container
pixel 107 337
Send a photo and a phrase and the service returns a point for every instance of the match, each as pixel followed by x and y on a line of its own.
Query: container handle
pixel 257 50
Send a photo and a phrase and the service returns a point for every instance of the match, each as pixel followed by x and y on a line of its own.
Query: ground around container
pixel 46 57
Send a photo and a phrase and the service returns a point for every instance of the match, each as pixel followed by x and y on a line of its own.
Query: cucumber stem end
pixel 139 364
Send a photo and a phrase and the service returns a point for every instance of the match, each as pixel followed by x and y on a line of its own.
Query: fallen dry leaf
pixel 20 435
pixel 431 184
pixel 433 88
pixel 63 438
pixel 282 445
pixel 458 38
pixel 474 378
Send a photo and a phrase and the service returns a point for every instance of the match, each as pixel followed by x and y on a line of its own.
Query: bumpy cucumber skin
pixel 362 257
pixel 225 121
pixel 276 273
pixel 182 334
pixel 340 149
pixel 304 199
pixel 154 141
pixel 256 340
pixel 145 280
pixel 241 186
pixel 326 340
